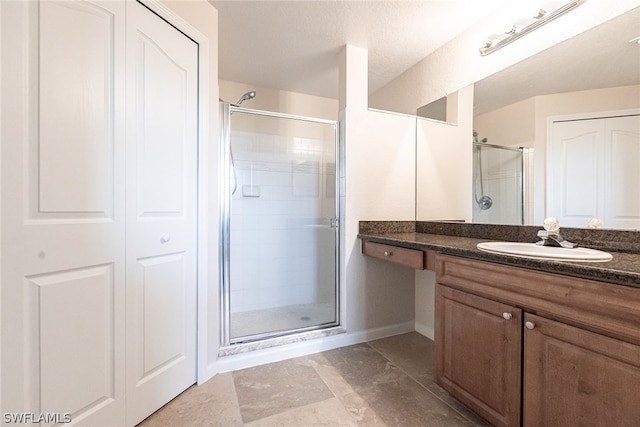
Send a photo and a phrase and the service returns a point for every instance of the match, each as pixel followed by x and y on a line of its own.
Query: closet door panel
pixel 162 123
pixel 163 131
pixel 160 313
pixel 593 172
pixel 76 360
pixel 76 135
pixel 63 224
pixel 574 185
pixel 622 174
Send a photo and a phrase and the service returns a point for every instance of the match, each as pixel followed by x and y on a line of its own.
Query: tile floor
pixel 387 382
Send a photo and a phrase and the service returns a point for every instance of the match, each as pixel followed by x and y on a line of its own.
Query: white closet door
pixel 622 173
pixel 63 217
pixel 161 212
pixel 574 184
pixel 593 172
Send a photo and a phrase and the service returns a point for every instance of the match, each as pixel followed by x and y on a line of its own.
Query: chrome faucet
pixel 551 235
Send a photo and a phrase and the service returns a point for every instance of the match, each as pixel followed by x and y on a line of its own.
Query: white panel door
pixel 161 211
pixel 622 173
pixel 63 216
pixel 574 186
pixel 593 172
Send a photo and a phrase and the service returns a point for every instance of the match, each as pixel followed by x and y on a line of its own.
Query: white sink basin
pixel 531 250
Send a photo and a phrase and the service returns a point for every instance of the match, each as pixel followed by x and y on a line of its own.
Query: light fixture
pixel 525 26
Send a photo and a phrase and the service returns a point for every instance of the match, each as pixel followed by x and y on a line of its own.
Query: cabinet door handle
pixel 165 238
pixel 387 253
pixel 507 315
pixel 529 325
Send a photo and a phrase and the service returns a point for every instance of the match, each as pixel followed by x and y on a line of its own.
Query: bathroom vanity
pixel 530 342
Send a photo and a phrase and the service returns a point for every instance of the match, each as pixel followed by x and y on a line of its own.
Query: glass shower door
pixel 281 257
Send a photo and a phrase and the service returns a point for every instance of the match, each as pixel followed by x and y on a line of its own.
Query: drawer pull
pixel 529 325
pixel 387 253
pixel 507 316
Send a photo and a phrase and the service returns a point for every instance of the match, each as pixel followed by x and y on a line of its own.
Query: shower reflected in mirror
pixel 498 183
pixel 484 202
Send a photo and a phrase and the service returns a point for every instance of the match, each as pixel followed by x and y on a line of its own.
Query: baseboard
pixel 303 348
pixel 425 330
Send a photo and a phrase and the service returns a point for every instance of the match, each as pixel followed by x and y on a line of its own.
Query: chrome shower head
pixel 247 96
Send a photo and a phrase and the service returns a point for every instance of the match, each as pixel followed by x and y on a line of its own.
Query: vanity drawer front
pixel 602 307
pixel 408 257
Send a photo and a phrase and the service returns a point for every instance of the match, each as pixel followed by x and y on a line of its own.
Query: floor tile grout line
pixel 421 385
pixel 404 356
pixel 307 359
pixel 237 400
pixel 338 398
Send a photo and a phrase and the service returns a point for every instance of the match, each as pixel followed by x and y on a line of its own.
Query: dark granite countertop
pixel 623 269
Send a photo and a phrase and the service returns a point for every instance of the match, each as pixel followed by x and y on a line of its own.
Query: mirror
pixel 511 107
pixel 436 110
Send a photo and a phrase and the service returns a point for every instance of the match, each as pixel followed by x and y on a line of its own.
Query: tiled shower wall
pixel 282 242
pixel 502 170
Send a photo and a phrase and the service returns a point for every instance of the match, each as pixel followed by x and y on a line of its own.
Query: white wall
pixel 458 64
pixel 379 183
pixel 511 126
pixel 425 302
pixel 443 172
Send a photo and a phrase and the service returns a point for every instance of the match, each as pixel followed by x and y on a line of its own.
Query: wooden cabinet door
pixel 575 377
pixel 478 354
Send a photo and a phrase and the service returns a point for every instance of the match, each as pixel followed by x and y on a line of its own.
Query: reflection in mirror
pixel 591 76
pixel 498 183
pixel 436 110
pixel 443 110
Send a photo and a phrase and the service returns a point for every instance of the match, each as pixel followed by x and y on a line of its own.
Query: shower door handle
pixel 335 223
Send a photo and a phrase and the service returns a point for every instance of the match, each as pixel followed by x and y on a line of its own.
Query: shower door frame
pixel 226 108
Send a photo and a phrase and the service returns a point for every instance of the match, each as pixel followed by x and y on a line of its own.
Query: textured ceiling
pixel 294 45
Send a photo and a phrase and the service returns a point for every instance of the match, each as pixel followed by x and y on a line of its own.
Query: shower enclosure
pixel 498 184
pixel 279 224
